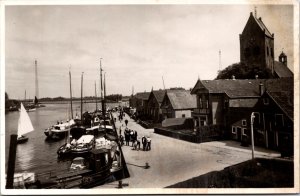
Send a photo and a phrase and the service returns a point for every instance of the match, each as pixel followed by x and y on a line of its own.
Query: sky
pixel 138 44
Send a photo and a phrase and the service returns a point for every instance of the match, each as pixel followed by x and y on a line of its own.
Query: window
pixel 203 120
pixel 244 131
pixel 244 122
pixel 201 104
pixel 206 103
pixel 247 52
pixel 266 101
pixel 256 50
pixel 272 52
pixel 183 115
pixel 233 130
pixel 257 118
pixel 279 122
pixel 267 51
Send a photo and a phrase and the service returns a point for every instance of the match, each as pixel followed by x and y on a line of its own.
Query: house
pixel 257 48
pixel 154 103
pixel 230 103
pixel 178 104
pixel 140 102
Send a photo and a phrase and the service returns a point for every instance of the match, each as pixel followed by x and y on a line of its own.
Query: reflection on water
pixel 39 155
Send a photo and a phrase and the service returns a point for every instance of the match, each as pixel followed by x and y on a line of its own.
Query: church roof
pixel 262 26
pixel 282 70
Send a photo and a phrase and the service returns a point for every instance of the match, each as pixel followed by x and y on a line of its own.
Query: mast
pixel 71 93
pixel 25 96
pixel 81 95
pixel 96 96
pixel 103 105
pixel 36 81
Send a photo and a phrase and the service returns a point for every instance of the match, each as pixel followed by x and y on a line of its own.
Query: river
pixel 38 155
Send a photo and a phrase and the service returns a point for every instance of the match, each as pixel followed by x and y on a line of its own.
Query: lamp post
pixel 252 134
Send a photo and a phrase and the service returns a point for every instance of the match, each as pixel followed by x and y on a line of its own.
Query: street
pixel 172 160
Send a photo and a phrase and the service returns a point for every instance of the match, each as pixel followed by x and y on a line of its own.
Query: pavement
pixel 172 160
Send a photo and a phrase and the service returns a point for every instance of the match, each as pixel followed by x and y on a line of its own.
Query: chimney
pixel 233 77
pixel 261 89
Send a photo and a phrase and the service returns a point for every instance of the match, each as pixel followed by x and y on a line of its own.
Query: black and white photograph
pixel 149 97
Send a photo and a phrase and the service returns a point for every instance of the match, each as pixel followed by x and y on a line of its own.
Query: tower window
pixel 247 52
pixel 272 52
pixel 267 51
pixel 256 50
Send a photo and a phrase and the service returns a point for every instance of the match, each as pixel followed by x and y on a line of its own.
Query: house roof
pixel 143 96
pixel 284 100
pixel 159 95
pixel 233 88
pixel 243 88
pixel 173 122
pixel 282 92
pixel 282 70
pixel 182 99
pixel 243 103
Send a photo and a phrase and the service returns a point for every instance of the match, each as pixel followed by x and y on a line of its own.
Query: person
pixel 127 137
pixel 144 142
pixel 121 140
pixel 120 131
pixel 135 135
pixel 148 143
pixel 132 137
pixel 126 122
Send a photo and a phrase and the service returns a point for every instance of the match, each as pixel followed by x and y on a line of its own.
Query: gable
pixel 198 86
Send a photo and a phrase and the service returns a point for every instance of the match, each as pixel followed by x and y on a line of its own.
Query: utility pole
pixel 96 97
pixel 81 95
pixel 252 134
pixel 36 81
pixel 71 94
pixel 163 82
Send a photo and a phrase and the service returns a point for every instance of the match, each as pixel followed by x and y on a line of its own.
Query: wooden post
pixel 11 161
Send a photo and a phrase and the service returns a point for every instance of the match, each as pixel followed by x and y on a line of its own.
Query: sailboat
pixel 24 125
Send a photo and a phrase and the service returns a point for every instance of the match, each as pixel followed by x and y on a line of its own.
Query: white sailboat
pixel 24 125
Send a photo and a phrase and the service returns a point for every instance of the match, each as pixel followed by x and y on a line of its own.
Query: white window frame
pixel 243 131
pixel 233 130
pixel 244 122
pixel 266 101
pixel 258 117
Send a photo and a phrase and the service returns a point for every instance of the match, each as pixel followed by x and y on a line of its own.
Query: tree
pixel 242 71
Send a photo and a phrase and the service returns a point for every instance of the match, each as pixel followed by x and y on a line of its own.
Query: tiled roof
pixel 172 122
pixel 282 92
pixel 284 100
pixel 243 103
pixel 282 70
pixel 159 95
pixel 233 88
pixel 243 88
pixel 143 96
pixel 182 99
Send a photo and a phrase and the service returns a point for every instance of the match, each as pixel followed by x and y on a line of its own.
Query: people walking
pixel 144 143
pixel 127 136
pixel 148 147
pixel 126 122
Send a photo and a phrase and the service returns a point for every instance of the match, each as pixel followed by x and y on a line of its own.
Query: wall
pixel 179 113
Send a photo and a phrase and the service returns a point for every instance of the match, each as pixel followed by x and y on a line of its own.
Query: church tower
pixel 257 44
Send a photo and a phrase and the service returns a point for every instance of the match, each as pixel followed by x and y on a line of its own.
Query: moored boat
pixel 60 130
pixel 81 147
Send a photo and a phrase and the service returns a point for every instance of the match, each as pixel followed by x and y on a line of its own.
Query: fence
pixel 204 134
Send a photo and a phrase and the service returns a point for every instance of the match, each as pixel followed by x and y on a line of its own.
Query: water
pixel 38 155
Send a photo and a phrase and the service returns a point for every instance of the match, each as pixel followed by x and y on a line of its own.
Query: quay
pixel 172 160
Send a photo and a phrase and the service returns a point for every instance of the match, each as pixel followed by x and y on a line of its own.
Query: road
pixel 172 160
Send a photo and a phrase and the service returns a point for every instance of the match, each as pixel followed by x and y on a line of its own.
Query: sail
pixel 24 124
pixel 35 101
